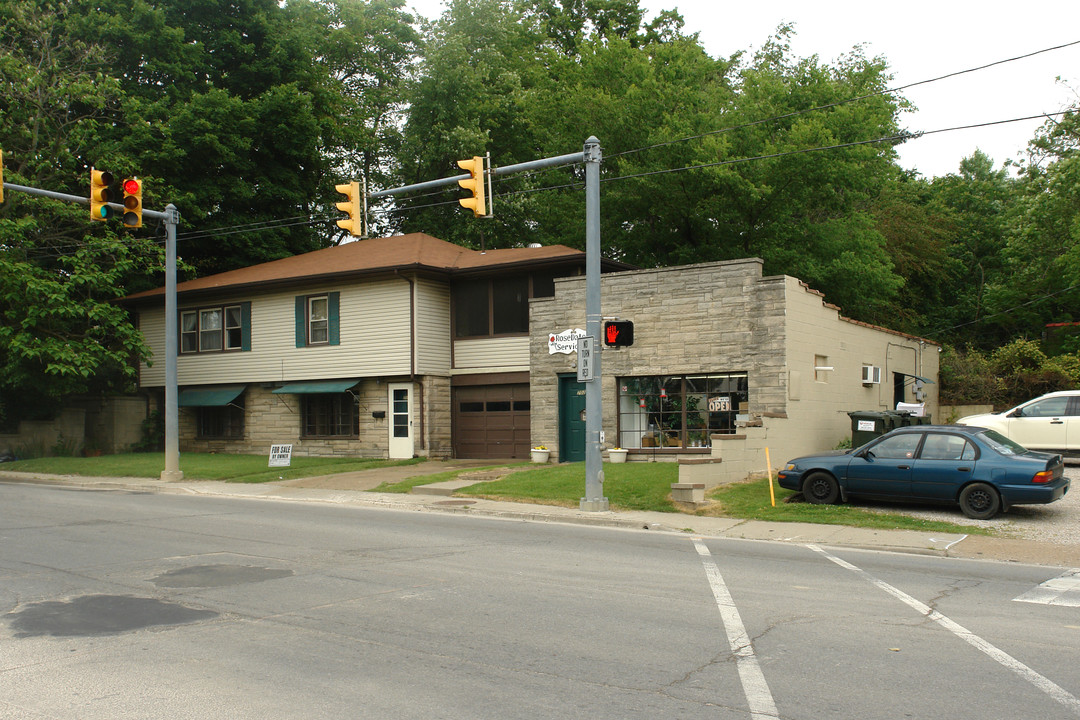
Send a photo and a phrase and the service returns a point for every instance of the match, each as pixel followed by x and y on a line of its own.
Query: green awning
pixel 917 377
pixel 315 386
pixel 209 396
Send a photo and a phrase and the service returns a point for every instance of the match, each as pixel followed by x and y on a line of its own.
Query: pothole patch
pixel 210 576
pixel 92 615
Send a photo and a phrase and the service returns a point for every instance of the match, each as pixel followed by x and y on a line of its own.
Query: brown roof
pixel 415 251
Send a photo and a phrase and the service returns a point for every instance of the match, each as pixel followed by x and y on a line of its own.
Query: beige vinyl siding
pixel 502 354
pixel 432 327
pixel 374 331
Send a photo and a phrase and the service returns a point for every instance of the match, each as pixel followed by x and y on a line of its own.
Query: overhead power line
pixel 839 103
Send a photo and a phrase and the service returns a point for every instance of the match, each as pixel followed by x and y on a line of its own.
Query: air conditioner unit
pixel 871 375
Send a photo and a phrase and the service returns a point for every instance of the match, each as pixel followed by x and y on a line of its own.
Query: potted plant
pixel 540 454
pixel 617 455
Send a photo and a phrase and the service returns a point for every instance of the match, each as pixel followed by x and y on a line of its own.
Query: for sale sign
pixel 280 455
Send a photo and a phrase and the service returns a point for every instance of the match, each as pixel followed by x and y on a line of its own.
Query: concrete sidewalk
pixel 354 489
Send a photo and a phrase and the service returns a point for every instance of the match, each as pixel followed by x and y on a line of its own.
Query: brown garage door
pixel 491 421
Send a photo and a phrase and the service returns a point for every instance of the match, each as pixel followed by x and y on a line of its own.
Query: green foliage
pixel 534 79
pixel 1007 376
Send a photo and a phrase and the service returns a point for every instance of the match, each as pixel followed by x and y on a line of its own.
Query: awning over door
pixel 315 386
pixel 917 377
pixel 209 396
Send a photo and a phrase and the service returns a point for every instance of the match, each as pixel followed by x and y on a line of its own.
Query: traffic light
pixel 355 223
pixel 618 333
pixel 100 180
pixel 132 202
pixel 477 202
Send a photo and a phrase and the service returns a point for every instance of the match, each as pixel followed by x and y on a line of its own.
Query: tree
pixel 1041 257
pixel 60 330
pixel 246 113
pixel 705 159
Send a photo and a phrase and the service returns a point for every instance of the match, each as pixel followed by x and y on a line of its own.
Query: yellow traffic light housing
pixel 132 202
pixel 100 180
pixel 478 202
pixel 351 206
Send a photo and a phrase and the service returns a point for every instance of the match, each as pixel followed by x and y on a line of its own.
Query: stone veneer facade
pixel 271 419
pixel 708 318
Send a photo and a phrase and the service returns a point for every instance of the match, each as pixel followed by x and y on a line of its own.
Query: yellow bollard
pixel 772 493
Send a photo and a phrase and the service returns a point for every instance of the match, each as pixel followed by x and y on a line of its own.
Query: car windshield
pixel 1002 444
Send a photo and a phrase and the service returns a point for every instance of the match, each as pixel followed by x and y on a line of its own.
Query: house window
pixel 472 309
pixel 679 411
pixel 214 329
pixel 329 415
pixel 498 306
pixel 317 319
pixel 225 422
pixel 510 305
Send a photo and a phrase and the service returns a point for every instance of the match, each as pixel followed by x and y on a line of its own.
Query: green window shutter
pixel 301 321
pixel 332 315
pixel 245 327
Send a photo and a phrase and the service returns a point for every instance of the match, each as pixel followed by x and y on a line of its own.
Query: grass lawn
pixel 628 486
pixel 198 466
pixel 647 486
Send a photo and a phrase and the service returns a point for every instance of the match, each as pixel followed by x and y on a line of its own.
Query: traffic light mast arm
pixel 156 215
pixel 570 159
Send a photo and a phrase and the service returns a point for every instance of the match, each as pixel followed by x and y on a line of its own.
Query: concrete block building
pixel 721 353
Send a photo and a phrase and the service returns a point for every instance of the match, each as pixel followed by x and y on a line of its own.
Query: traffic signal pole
pixel 171 217
pixel 592 156
pixel 594 499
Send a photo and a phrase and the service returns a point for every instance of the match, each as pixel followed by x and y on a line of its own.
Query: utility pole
pixel 594 499
pixel 171 216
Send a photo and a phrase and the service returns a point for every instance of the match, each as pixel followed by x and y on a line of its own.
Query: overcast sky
pixel 921 40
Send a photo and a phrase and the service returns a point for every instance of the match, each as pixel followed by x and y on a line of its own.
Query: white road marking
pixel 758 695
pixel 1048 686
pixel 1062 590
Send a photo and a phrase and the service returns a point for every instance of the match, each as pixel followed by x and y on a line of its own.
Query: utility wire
pixel 796 113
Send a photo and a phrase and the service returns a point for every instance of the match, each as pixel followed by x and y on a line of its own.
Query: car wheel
pixel 821 489
pixel 980 501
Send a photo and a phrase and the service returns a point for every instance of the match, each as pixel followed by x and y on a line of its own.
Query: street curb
pixel 901 541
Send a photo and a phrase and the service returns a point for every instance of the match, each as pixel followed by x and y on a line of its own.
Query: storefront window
pixel 679 411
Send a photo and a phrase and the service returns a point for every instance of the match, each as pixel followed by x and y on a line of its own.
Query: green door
pixel 571 419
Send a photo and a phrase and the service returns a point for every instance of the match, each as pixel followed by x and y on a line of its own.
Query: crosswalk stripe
pixel 1062 590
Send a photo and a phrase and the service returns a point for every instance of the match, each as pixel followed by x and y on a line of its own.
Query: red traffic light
pixel 131 187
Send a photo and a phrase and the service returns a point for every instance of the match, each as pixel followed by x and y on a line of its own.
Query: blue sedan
pixel 982 470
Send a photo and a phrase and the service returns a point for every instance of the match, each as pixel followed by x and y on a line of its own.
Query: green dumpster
pixel 869 424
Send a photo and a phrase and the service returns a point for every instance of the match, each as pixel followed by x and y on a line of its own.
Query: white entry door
pixel 401 425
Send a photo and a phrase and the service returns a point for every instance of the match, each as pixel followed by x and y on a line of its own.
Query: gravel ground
pixel 1057 523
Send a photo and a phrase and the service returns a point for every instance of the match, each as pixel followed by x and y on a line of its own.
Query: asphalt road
pixel 132 605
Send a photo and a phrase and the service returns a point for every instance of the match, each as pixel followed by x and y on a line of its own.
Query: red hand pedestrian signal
pixel 618 333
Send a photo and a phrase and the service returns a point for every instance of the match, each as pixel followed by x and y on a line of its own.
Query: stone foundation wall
pixel 271 419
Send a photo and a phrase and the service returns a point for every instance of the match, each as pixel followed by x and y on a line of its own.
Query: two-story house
pixel 387 347
pixel 409 345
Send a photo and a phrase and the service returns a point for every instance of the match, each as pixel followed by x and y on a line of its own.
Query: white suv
pixel 1049 422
